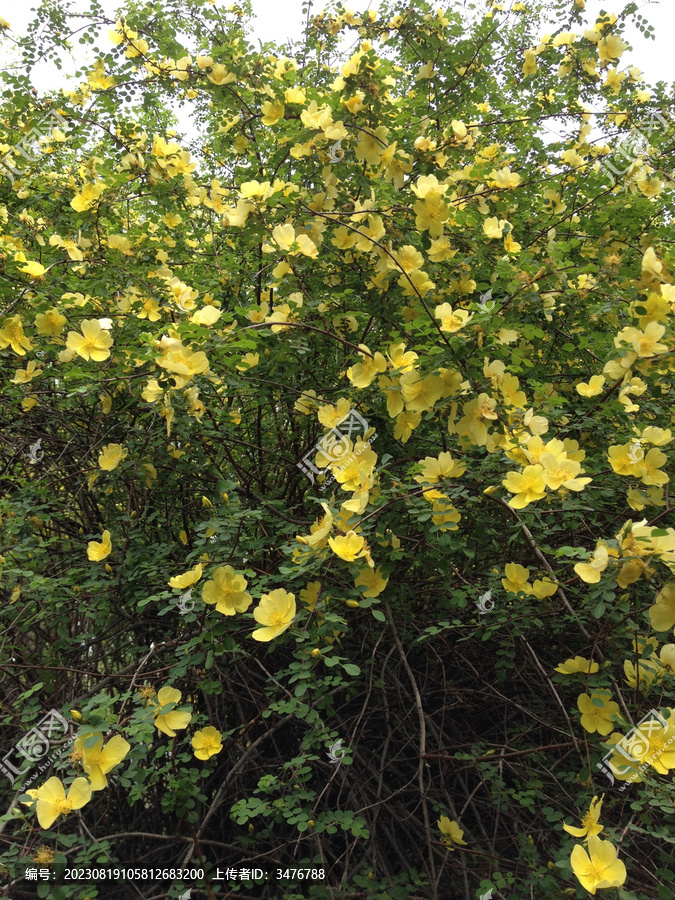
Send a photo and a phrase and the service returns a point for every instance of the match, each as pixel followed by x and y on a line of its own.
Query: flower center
pixel 62 807
pixel 597 871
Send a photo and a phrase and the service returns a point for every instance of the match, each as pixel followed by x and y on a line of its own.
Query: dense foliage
pixel 336 406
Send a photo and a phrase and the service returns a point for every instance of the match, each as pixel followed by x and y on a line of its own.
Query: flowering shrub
pixel 375 236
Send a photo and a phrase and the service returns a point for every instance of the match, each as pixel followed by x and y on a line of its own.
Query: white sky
pixel 281 20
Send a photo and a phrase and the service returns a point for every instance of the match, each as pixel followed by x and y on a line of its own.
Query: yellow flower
pixel 275 611
pixel 445 514
pixel 626 459
pixel 416 283
pixel 207 316
pixel 364 373
pixel 11 335
pixel 25 376
pixel 578 664
pixel 121 243
pixel 361 496
pixel 667 657
pixel 50 322
pixel 52 801
pixel 527 486
pixel 511 245
pixel 657 436
pixel 227 590
pixel 248 362
pixel 644 343
pixel 306 403
pixel 593 388
pixel 589 823
pixel 428 184
pixel 400 359
pixel 310 595
pixel 408 258
pixel 373 580
pixel 294 95
pixel 219 75
pixel 651 264
pixel 207 742
pixel 349 547
pixel 632 571
pixel 440 250
pixel 662 614
pixel 168 719
pixel 561 473
pixel 34 269
pixel 93 343
pixel 614 80
pixel 97 78
pixel 596 718
pixel 443 466
pixel 420 394
pixel 652 465
pixel 504 178
pixel 647 673
pixel 330 415
pixel 572 158
pixel 371 145
pixel 531 66
pixel 184 363
pixel 599 868
pixel 97 551
pixel 493 227
pixel 653 744
pixel 272 112
pixel 590 571
pixel 320 529
pixel 188 578
pixel 451 321
pixel 99 760
pixel 111 456
pixel 357 469
pixel 431 211
pixel 406 423
pixel 650 187
pixel 545 588
pixel 517 578
pixel 451 832
pixel 611 48
pixel 88 195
